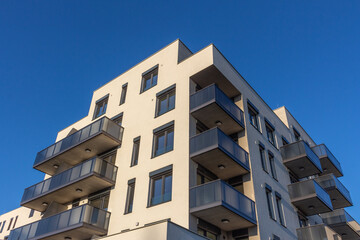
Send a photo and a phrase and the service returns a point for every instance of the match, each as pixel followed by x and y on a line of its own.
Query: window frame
pixel 150 72
pixel 135 152
pixel 104 101
pixel 280 209
pixel 297 135
pixel 167 94
pixel 129 204
pixel 270 133
pixel 272 165
pixel 263 158
pixel 255 116
pixel 284 141
pixel 2 227
pixel 118 118
pixel 156 175
pixel 123 93
pixel 165 129
pixel 270 202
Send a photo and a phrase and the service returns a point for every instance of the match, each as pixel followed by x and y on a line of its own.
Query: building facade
pixel 180 146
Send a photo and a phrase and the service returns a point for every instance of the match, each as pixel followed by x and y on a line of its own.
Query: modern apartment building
pixel 180 146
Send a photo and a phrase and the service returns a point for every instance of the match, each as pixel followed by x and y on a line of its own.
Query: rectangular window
pixel 275 237
pixel 149 79
pixel 118 119
pixel 109 157
pixel 11 219
pixel 100 201
pixel 297 135
pixel 206 233
pixel 123 93
pixel 100 107
pixel 163 139
pixel 270 203
pixel 165 101
pixel 160 187
pixel 130 196
pixel 270 132
pixel 262 158
pixel 16 218
pixel 135 152
pixel 280 209
pixel 2 227
pixel 284 141
pixel 31 214
pixel 253 115
pixel 272 165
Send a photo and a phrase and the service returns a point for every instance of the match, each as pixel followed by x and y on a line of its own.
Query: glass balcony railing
pixel 305 188
pixel 69 221
pixel 87 168
pixel 316 232
pixel 211 94
pixel 330 182
pixel 342 223
pixel 323 152
pixel 103 125
pixel 218 191
pixel 215 137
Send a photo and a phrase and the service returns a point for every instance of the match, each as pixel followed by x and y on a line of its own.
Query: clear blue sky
pixel 53 54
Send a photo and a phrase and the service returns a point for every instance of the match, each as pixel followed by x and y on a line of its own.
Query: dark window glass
pixel 31 214
pixel 109 157
pixel 262 158
pixel 280 210
pixel 275 237
pixel 163 141
pixel 161 188
pixel 165 102
pixel 100 108
pixel 16 218
pixel 149 80
pixel 270 134
pixel 118 120
pixel 2 227
pixel 206 233
pixel 135 152
pixel 130 198
pixel 284 141
pixel 297 135
pixel 253 117
pixel 272 165
pixel 270 203
pixel 11 219
pixel 123 94
pixel 100 201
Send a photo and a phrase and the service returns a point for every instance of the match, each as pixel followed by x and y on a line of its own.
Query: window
pixel 16 218
pixel 270 132
pixel 284 141
pixel 274 237
pixel 100 200
pixel 253 115
pixel 272 165
pixel 270 202
pixel 280 208
pixel 163 139
pixel 123 93
pixel 149 79
pixel 100 108
pixel 206 233
pixel 109 157
pixel 130 196
pixel 165 101
pixel 160 186
pixel 262 158
pixel 31 214
pixel 75 203
pixel 297 135
pixel 118 119
pixel 2 227
pixel 135 152
pixel 11 219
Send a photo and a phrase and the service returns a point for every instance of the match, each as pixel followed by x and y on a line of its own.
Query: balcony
pixel 223 206
pixel 214 150
pixel 213 108
pixel 98 137
pixel 309 197
pixel 339 195
pixel 76 224
pixel 316 232
pixel 77 182
pixel 300 159
pixel 342 223
pixel 329 163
